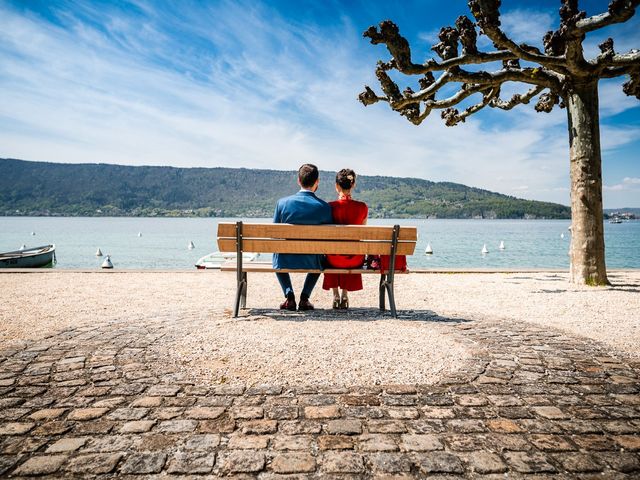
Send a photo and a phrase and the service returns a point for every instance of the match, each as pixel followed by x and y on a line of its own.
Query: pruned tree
pixel 561 75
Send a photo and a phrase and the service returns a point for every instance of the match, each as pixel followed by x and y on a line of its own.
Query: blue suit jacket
pixel 303 208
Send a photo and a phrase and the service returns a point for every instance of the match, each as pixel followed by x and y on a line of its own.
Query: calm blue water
pixel 164 241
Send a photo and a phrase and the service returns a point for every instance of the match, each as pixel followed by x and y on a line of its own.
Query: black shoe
pixel 289 303
pixel 305 304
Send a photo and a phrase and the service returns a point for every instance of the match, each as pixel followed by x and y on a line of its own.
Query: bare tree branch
pixel 452 117
pixel 446 103
pixel 534 76
pixel 473 82
pixel 630 59
pixel 619 11
pixel 517 99
pixel 547 101
pixel 369 97
pixel 487 16
pixel 613 72
pixel 468 59
pixel 397 45
pixel 609 64
pixel 399 49
pixel 632 87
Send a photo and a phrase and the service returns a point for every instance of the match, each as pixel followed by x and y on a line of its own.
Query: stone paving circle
pixel 99 402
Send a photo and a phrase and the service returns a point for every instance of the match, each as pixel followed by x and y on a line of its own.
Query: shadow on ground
pixel 352 314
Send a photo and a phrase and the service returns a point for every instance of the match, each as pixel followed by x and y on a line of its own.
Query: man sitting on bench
pixel 303 208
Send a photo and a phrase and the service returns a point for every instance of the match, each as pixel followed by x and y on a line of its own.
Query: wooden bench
pixel 314 239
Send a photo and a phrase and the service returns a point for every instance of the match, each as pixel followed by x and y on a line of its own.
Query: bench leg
pixel 392 300
pixel 242 287
pixel 386 287
pixel 243 296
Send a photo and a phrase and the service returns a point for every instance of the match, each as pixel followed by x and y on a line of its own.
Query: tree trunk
pixel 587 228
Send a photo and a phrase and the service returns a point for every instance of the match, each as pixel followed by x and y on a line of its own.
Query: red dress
pixel 346 211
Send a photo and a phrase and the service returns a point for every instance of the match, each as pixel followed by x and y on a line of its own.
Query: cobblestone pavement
pixel 99 401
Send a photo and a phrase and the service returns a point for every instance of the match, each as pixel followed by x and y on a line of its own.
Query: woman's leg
pixel 344 299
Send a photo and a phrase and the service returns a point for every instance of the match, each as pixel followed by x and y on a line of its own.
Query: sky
pixel 274 84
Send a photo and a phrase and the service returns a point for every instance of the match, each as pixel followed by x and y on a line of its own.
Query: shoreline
pixel 427 271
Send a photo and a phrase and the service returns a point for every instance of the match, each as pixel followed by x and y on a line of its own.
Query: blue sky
pixel 274 84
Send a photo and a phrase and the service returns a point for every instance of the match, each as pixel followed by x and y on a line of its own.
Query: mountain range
pixel 58 189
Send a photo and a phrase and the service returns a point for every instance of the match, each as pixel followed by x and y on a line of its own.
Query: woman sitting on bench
pixel 346 211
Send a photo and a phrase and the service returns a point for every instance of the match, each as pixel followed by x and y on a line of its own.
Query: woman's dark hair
pixel 346 178
pixel 307 175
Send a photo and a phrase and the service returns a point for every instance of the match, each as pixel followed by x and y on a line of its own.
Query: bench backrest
pixel 320 239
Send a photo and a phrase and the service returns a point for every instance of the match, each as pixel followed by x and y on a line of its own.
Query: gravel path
pixel 322 347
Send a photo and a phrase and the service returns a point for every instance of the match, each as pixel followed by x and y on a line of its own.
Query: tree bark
pixel 587 227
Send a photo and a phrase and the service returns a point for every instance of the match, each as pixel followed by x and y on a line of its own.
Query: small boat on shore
pixel 36 257
pixel 215 259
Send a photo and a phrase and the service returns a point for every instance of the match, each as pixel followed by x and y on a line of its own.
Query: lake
pixel 163 242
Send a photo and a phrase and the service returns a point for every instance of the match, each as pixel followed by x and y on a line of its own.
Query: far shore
pixel 268 216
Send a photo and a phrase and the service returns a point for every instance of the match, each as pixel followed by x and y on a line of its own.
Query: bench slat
pixel 262 267
pixel 302 232
pixel 315 247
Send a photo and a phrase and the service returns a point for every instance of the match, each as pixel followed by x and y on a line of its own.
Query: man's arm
pixel 277 217
pixel 328 215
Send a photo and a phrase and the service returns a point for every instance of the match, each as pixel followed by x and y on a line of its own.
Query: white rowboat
pixel 44 256
pixel 216 259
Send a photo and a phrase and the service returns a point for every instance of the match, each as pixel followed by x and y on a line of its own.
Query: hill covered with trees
pixel 40 188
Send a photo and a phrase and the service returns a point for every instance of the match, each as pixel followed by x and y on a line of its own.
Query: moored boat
pixel 36 257
pixel 215 259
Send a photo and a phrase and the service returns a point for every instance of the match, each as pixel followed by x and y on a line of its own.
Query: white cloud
pixel 528 26
pixel 429 37
pixel 612 99
pixel 628 183
pixel 264 93
pixel 613 137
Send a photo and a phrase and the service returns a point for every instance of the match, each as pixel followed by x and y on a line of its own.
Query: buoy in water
pixel 33 233
pixel 191 245
pixel 99 252
pixel 22 247
pixel 484 249
pixel 139 234
pixel 428 250
pixel 107 262
pixel 501 247
pixel 562 235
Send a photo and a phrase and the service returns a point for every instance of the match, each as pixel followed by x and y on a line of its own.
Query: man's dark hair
pixel 346 178
pixel 307 175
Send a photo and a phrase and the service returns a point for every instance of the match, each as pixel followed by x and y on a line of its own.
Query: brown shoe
pixel 289 303
pixel 305 304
